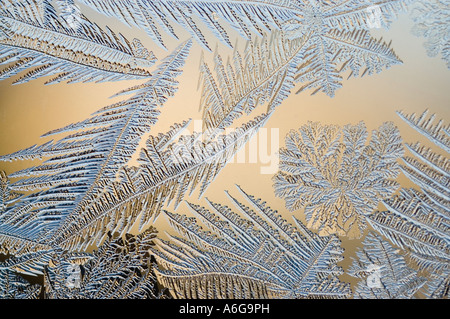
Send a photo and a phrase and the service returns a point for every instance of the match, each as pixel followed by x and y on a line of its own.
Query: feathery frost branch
pixel 119 269
pixel 32 35
pixel 383 272
pixel 12 286
pixel 259 255
pixel 315 50
pixel 418 220
pixel 82 166
pixel 431 20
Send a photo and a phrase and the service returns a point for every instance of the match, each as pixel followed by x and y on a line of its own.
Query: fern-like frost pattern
pixel 263 74
pixel 336 176
pixel 259 255
pixel 80 168
pixel 432 20
pixel 338 38
pixel 384 273
pixel 85 194
pixel 119 269
pixel 32 35
pixel 417 220
pixel 13 286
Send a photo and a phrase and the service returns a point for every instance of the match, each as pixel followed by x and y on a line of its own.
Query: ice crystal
pixel 66 190
pixel 384 272
pixel 263 74
pixel 119 269
pixel 33 36
pixel 7 196
pixel 432 21
pixel 337 32
pixel 417 220
pixel 258 255
pixel 12 286
pixel 335 176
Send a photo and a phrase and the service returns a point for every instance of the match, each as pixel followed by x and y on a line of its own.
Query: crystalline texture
pixel 432 21
pixel 335 176
pixel 418 221
pixel 33 36
pixel 258 255
pixel 383 272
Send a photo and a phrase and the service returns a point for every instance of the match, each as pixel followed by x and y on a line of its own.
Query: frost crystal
pixel 417 221
pixel 337 32
pixel 432 21
pixel 63 205
pixel 262 74
pixel 83 194
pixel 7 196
pixel 258 255
pixel 335 176
pixel 383 271
pixel 12 286
pixel 119 269
pixel 339 40
pixel 33 36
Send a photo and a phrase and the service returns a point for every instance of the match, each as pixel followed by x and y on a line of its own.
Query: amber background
pixel 30 110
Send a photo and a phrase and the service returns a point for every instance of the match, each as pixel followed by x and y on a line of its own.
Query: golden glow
pixel 32 109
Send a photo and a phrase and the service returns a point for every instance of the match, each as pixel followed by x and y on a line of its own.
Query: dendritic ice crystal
pixel 13 286
pixel 336 176
pixel 336 33
pixel 384 273
pixel 119 269
pixel 33 36
pixel 60 207
pixel 432 21
pixel 417 220
pixel 251 254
